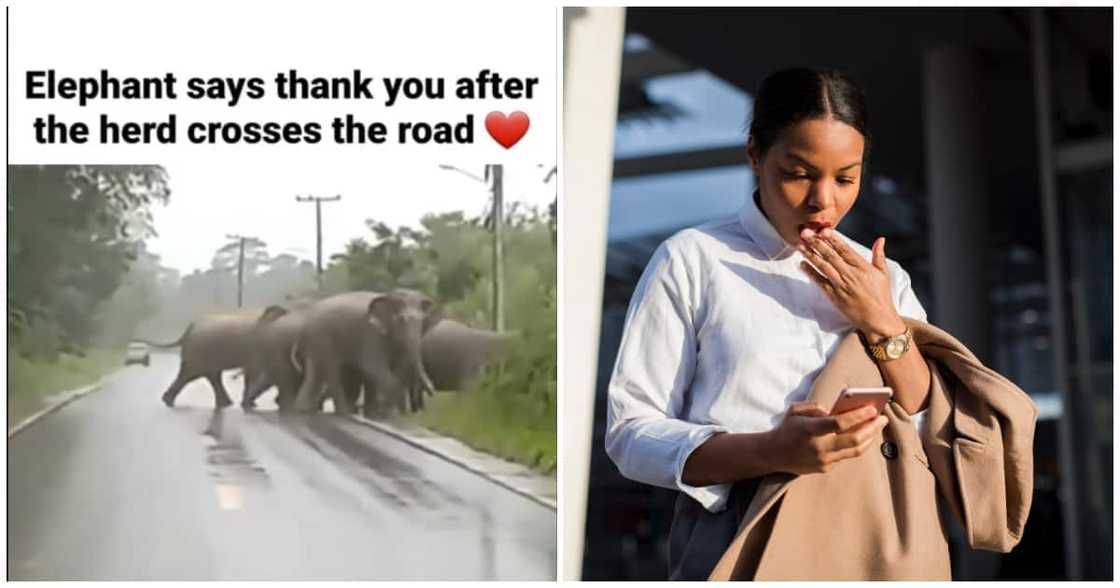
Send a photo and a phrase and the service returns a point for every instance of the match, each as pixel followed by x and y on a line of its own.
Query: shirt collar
pixel 759 229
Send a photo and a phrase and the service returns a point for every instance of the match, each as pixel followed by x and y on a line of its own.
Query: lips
pixel 815 226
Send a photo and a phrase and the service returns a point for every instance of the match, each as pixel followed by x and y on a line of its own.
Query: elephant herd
pixel 386 350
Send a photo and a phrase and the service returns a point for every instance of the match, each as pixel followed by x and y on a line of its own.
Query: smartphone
pixel 853 398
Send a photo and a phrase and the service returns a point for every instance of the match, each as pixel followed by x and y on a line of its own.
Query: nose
pixel 821 196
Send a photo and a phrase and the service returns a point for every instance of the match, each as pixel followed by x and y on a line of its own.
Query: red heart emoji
pixel 507 131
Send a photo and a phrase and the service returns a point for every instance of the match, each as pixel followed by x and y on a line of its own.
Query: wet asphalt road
pixel 117 486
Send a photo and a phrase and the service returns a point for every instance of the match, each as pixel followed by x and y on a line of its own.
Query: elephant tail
pixel 175 343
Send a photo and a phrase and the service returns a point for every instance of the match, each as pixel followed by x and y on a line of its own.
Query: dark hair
pixel 790 96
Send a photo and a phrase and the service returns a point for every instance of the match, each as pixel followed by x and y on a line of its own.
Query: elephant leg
pixel 308 396
pixel 254 387
pixel 371 398
pixel 335 390
pixel 323 395
pixel 221 397
pixel 285 395
pixel 387 389
pixel 173 390
pixel 351 380
pixel 397 392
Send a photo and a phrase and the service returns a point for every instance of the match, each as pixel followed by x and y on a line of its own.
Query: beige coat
pixel 876 516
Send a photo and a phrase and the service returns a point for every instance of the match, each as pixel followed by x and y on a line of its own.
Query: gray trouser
pixel 698 538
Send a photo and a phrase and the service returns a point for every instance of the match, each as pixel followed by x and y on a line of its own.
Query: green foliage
pixel 399 259
pixel 73 232
pixel 511 409
pixel 492 423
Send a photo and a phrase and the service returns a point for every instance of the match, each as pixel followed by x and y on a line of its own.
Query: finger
pixel 869 429
pixel 807 408
pixel 823 281
pixel 843 442
pixel 814 248
pixel 858 436
pixel 840 246
pixel 847 420
pixel 879 253
pixel 824 425
pixel 844 421
pixel 848 453
pixel 814 275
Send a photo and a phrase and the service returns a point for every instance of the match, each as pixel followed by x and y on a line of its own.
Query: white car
pixel 137 353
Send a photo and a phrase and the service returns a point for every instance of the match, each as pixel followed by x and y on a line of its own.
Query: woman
pixel 732 320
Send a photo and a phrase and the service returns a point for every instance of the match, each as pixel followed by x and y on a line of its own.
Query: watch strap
pixel 878 351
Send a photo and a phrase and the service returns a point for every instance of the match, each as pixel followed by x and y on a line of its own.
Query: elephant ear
pixel 383 309
pixel 272 313
pixel 433 313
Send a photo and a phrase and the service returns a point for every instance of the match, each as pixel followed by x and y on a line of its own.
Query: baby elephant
pixel 209 346
pixel 273 359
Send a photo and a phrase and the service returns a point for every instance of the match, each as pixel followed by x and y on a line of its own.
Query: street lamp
pixel 464 172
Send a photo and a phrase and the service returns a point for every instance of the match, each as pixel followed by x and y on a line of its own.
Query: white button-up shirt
pixel 723 334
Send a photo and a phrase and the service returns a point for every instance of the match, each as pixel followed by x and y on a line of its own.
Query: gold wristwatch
pixel 891 347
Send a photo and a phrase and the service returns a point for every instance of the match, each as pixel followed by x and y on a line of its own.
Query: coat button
pixel 889 450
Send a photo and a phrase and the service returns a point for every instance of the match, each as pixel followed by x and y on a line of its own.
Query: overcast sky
pixel 210 200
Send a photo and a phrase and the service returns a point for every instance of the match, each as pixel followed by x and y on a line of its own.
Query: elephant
pixel 275 359
pixel 378 335
pixel 210 345
pixel 454 353
pixel 272 358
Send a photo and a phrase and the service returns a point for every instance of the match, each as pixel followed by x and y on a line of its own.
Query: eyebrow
pixel 806 162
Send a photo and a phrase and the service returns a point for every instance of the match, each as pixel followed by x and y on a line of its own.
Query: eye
pixel 845 180
pixel 796 175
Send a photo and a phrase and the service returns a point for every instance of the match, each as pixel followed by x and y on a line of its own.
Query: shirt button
pixel 889 450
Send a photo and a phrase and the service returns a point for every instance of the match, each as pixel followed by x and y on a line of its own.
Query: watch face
pixel 895 348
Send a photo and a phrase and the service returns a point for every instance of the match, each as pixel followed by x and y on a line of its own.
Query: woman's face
pixel 810 176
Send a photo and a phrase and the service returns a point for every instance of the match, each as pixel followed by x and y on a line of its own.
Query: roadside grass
pixel 513 427
pixel 31 382
pixel 509 410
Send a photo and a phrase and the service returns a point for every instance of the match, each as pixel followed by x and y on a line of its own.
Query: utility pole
pixel 319 231
pixel 494 173
pixel 240 265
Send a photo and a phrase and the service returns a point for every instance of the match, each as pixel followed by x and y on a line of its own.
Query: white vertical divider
pixel 592 69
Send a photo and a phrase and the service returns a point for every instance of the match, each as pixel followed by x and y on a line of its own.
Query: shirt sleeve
pixel 646 438
pixel 908 305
